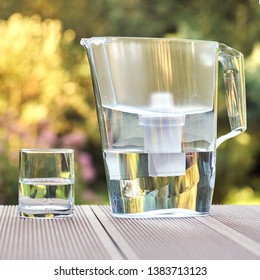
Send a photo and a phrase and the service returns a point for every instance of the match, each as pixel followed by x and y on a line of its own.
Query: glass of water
pixel 46 183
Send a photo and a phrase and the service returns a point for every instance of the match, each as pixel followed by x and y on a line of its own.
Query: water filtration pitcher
pixel 156 102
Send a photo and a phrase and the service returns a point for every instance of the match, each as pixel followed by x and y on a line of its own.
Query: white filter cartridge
pixel 166 164
pixel 163 133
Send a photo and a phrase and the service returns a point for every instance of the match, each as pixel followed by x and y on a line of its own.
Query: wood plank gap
pixel 108 225
pixel 103 235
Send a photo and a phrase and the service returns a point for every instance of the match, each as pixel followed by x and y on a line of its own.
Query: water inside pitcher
pixel 156 103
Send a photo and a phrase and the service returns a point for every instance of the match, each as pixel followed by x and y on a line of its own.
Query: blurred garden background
pixel 46 96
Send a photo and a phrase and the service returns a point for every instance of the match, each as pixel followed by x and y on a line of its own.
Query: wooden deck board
pixel 229 233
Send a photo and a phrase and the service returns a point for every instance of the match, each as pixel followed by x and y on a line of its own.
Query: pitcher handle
pixel 234 79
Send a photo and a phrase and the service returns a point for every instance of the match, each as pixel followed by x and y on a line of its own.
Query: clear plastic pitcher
pixel 156 101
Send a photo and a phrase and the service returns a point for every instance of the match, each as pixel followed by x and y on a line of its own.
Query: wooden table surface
pixel 230 233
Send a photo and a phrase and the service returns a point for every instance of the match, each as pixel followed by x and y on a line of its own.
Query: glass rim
pixel 108 39
pixel 47 150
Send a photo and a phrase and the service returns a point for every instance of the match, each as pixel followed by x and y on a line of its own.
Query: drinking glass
pixel 46 183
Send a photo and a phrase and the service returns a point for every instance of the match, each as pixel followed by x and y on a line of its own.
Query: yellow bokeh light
pixel 243 139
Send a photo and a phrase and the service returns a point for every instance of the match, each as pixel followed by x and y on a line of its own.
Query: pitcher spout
pixel 87 43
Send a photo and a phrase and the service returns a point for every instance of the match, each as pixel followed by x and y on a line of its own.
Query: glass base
pixel 163 213
pixel 45 212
